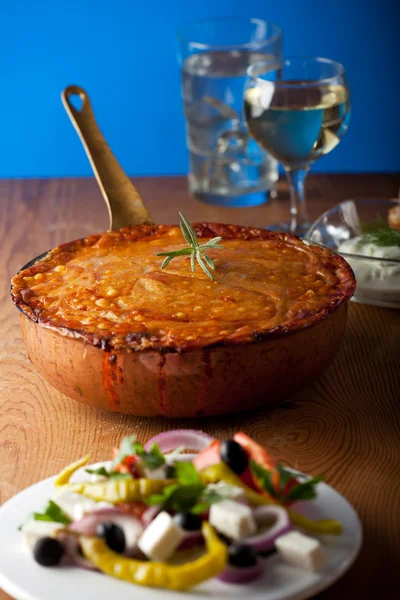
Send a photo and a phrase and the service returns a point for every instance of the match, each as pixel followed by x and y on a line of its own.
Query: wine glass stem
pixel 298 213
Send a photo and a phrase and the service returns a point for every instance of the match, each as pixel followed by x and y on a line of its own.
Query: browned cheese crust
pixel 109 289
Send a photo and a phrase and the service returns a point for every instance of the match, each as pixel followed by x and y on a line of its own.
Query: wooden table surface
pixel 346 426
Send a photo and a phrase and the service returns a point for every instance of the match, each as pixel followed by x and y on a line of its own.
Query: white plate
pixel 24 579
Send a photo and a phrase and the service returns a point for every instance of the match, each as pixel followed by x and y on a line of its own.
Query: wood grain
pixel 346 426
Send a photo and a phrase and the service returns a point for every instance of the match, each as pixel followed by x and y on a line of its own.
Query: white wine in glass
pixel 297 113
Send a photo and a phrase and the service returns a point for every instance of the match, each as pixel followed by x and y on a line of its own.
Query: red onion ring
pixel 240 574
pixel 130 525
pixel 265 541
pixel 193 538
pixel 150 514
pixel 71 548
pixel 191 439
pixel 88 524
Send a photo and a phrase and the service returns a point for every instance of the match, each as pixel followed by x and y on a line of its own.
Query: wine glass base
pixel 300 230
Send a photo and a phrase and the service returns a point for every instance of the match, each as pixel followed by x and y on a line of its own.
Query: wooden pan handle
pixel 125 206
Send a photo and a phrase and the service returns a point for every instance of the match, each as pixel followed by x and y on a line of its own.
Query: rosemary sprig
pixel 196 251
pixel 380 233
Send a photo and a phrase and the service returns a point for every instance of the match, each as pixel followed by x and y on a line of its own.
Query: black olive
pixel 266 553
pixel 171 472
pixel 227 541
pixel 113 536
pixel 241 555
pixel 234 456
pixel 187 521
pixel 48 551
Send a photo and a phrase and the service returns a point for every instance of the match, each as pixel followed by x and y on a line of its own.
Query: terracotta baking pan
pixel 221 377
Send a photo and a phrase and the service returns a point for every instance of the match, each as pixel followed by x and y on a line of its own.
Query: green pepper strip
pixel 157 574
pixel 222 472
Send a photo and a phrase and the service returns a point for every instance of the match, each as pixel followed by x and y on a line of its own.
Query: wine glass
pixel 298 112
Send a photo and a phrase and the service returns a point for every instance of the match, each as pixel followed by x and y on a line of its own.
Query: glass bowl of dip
pixel 346 228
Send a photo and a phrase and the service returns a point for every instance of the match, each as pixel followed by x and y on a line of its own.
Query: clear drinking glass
pixel 227 167
pixel 297 112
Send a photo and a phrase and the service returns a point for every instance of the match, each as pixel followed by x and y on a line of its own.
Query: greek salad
pixel 156 516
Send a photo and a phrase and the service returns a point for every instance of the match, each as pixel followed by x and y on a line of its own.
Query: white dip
pixel 376 280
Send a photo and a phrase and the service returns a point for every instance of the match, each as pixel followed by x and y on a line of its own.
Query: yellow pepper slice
pixel 220 471
pixel 324 526
pixel 156 574
pixel 116 491
pixel 66 474
pixel 113 491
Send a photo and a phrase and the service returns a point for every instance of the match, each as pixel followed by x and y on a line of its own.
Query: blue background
pixel 124 53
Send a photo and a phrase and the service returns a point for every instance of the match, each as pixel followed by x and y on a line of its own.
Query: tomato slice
pixel 136 509
pixel 208 457
pixel 248 479
pixel 290 484
pixel 255 451
pixel 212 455
pixel 260 456
pixel 128 465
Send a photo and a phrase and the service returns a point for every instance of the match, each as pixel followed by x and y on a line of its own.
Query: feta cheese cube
pixel 161 538
pixel 234 520
pixel 101 506
pixel 227 490
pixel 33 530
pixel 76 505
pixel 154 473
pixel 97 478
pixel 301 551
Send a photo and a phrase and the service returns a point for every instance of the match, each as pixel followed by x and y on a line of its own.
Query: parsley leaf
pixel 301 490
pixel 100 471
pixel 284 477
pixel 166 494
pixel 186 473
pixel 211 496
pixel 305 490
pixel 183 495
pixel 264 477
pixel 208 497
pixel 117 475
pixel 129 447
pixel 153 459
pixel 189 493
pixel 52 513
pixel 200 508
pixel 179 498
pixel 110 474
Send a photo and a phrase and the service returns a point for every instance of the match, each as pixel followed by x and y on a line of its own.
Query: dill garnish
pixel 380 233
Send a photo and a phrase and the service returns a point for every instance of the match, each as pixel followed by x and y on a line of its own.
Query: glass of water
pixel 227 166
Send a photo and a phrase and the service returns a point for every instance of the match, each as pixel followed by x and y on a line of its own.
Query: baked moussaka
pixel 109 288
